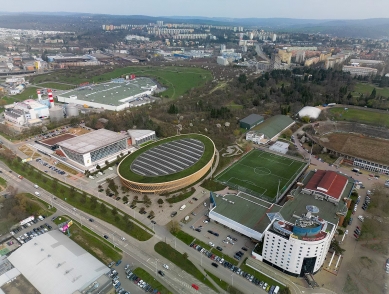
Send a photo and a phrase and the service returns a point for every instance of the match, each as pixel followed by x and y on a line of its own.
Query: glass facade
pixel 98 154
pixel 108 150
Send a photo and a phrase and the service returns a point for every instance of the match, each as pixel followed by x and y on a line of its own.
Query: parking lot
pixel 52 167
pixel 32 229
pixel 229 247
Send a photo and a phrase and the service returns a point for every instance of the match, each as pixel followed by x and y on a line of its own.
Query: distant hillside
pixel 365 28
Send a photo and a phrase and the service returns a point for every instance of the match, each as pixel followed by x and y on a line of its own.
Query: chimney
pixel 50 93
pixel 39 95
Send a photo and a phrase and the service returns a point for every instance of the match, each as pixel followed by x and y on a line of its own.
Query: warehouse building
pixel 251 121
pixel 53 263
pixel 94 148
pixel 116 95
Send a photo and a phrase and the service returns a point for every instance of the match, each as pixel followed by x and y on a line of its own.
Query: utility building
pixel 251 121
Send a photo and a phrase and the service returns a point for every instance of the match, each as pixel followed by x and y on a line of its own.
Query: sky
pixel 306 9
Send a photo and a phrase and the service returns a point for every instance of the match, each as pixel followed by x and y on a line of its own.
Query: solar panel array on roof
pixel 168 158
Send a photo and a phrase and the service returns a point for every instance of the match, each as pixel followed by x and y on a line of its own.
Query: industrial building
pixel 251 121
pixel 139 137
pixel 115 95
pixel 26 112
pixel 94 148
pixel 293 238
pixel 359 70
pixel 53 263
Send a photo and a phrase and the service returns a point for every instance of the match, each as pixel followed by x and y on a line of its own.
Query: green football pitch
pixel 261 173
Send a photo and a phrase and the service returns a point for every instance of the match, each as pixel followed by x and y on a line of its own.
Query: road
pixel 175 278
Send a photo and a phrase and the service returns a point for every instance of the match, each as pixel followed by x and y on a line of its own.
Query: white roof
pixel 139 134
pixel 312 112
pixel 92 141
pixel 53 263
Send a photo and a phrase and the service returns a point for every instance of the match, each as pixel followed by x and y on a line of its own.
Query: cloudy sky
pixel 312 9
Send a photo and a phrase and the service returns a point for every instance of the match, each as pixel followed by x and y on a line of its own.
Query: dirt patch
pixel 78 131
pixel 19 286
pixel 373 149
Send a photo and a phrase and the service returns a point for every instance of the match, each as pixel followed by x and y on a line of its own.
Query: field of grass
pixel 3 183
pixel 91 242
pixel 365 116
pixel 222 284
pixel 56 86
pixel 181 196
pixel 185 264
pixel 149 279
pixel 27 93
pixel 212 185
pixel 259 276
pixel 233 105
pixel 260 173
pixel 123 221
pixel 366 89
pixel 177 80
pixel 66 168
pixel 125 166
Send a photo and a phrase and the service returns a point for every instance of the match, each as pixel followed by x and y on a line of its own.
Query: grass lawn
pixel 125 166
pixel 124 221
pixel 66 168
pixel 185 264
pixel 3 183
pixel 184 237
pixel 26 94
pixel 149 279
pixel 260 173
pixel 366 89
pixel 177 80
pixel 259 276
pixel 222 284
pixel 92 242
pixel 43 206
pixel 56 86
pixel 366 115
pixel 181 196
pixel 212 185
pixel 233 105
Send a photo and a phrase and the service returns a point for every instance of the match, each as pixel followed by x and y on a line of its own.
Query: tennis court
pixel 262 173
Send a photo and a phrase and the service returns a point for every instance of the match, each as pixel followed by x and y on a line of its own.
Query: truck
pixel 182 207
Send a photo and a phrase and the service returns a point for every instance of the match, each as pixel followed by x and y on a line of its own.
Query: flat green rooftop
pixel 111 93
pixel 273 125
pixel 247 210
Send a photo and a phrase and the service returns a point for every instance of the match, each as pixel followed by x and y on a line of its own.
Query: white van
pixel 37 194
pixel 276 290
pixel 36 186
pixel 92 178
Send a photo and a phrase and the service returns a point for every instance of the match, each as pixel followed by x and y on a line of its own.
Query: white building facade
pixel 293 254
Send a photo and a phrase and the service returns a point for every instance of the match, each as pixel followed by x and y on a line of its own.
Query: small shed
pixel 250 121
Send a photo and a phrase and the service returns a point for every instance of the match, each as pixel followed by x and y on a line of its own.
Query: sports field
pixel 259 173
pixel 177 80
pixel 367 116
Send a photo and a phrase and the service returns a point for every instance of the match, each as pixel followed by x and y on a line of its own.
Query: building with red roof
pixel 329 184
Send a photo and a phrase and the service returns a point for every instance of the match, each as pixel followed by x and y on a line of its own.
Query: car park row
pixel 218 260
pixel 53 168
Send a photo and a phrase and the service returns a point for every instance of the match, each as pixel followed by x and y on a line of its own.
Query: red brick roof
pixel 327 182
